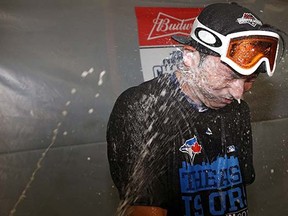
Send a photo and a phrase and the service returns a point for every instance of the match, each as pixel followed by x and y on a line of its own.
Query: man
pixel 181 144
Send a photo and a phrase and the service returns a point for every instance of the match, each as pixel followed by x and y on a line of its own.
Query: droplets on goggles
pixel 243 51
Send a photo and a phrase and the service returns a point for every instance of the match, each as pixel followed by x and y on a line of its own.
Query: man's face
pixel 216 85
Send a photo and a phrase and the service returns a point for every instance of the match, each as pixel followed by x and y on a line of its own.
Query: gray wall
pixel 62 65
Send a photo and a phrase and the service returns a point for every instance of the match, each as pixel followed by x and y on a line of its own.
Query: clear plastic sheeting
pixel 62 66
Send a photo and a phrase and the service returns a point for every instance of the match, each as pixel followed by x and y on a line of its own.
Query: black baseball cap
pixel 224 18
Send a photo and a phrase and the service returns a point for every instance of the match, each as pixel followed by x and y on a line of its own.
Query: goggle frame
pixel 220 44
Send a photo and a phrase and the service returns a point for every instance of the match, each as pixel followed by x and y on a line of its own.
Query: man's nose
pixel 237 88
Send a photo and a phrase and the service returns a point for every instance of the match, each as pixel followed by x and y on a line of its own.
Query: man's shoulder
pixel 151 87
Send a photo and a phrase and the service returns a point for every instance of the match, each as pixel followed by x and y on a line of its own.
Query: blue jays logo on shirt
pixel 191 147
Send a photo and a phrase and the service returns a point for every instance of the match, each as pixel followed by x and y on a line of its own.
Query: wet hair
pixel 181 66
pixel 202 57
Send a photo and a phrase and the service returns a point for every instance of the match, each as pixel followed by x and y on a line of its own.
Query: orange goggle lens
pixel 246 51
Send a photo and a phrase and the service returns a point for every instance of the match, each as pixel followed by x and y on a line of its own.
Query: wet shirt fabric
pixel 163 152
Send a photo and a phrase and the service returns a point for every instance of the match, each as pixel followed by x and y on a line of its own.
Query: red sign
pixel 157 25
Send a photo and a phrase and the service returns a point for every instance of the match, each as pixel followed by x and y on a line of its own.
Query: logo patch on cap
pixel 248 18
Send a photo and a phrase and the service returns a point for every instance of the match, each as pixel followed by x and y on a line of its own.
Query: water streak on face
pixel 215 84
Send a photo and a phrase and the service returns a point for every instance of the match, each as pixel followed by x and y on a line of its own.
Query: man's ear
pixel 191 57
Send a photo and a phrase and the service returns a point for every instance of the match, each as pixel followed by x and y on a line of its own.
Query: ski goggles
pixel 243 51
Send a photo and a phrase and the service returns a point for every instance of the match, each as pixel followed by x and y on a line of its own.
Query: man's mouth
pixel 227 100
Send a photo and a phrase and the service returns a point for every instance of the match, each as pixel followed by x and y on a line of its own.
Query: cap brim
pixel 182 39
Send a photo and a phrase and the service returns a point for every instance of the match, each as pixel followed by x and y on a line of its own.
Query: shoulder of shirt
pixel 150 87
